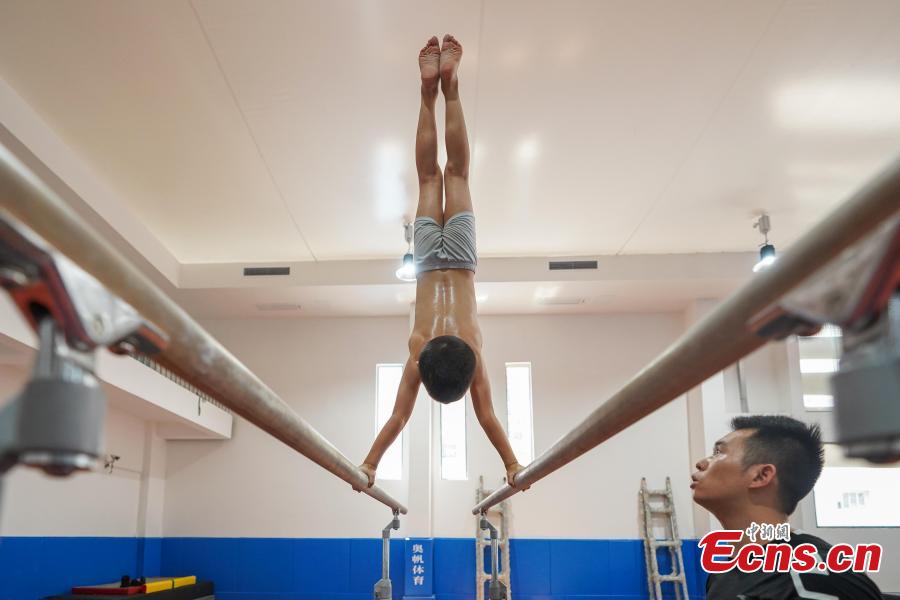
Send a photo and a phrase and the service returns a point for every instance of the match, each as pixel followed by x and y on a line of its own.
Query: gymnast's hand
pixel 369 470
pixel 511 472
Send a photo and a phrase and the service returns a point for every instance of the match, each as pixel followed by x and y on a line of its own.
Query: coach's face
pixel 721 479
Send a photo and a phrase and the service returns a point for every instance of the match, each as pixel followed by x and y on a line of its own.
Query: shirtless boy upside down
pixel 445 344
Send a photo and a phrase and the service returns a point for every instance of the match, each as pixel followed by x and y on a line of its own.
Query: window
pixel 519 425
pixel 453 441
pixel 818 361
pixel 387 382
pixel 853 493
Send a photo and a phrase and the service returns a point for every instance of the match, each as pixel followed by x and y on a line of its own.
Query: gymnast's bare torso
pixel 445 305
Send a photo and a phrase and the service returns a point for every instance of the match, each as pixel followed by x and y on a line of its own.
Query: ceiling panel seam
pixel 689 152
pixel 477 102
pixel 259 151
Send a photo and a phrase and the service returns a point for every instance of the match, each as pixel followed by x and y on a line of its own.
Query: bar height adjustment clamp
pixel 56 422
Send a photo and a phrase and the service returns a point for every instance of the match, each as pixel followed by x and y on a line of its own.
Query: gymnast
pixel 445 344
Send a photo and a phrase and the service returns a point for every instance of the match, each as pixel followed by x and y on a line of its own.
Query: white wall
pixel 88 504
pixel 577 362
pixel 325 368
pixel 253 485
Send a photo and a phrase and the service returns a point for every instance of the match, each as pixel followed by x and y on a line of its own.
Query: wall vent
pixel 277 306
pixel 561 301
pixel 260 271
pixel 571 265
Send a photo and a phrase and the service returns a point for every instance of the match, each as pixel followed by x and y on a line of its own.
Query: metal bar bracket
pixel 383 588
pixel 56 422
pixel 496 588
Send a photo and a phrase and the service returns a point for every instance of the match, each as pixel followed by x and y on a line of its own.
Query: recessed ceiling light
pixel 543 292
pixel 845 106
pixel 527 151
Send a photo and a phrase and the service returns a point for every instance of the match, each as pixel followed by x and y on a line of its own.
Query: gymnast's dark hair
pixel 446 365
pixel 795 449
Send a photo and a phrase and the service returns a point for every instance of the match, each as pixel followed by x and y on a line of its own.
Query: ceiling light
pixel 389 170
pixel 818 365
pixel 854 106
pixel 407 270
pixel 766 257
pixel 546 292
pixel 767 251
pixel 527 151
pixel 818 401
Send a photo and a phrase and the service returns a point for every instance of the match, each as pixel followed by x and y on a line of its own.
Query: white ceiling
pixel 247 131
pixel 243 132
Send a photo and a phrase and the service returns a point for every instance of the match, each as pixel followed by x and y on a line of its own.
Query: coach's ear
pixel 762 475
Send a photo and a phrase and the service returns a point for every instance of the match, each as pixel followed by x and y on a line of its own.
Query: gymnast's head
pixel 447 366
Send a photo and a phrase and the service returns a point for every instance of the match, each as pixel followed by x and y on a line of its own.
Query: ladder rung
pixel 667 510
pixel 657 492
pixel 665 578
pixel 665 543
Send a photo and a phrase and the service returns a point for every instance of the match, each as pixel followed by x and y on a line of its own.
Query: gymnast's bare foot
pixel 451 55
pixel 429 63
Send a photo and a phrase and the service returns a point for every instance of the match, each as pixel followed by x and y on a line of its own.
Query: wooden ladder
pixel 651 543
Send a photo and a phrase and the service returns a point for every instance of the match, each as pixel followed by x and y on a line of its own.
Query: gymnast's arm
pixel 403 407
pixel 484 410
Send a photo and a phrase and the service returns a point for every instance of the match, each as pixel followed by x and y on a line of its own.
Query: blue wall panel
pixel 627 574
pixel 454 571
pixel 579 567
pixel 265 566
pixel 33 567
pixel 214 559
pixel 530 565
pixel 329 569
pixel 149 558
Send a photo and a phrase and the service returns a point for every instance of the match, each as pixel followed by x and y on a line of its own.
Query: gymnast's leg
pixel 431 184
pixel 456 172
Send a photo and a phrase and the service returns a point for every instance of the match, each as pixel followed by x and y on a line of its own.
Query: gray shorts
pixel 449 247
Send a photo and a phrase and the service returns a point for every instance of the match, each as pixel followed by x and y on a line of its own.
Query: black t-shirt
pixel 818 585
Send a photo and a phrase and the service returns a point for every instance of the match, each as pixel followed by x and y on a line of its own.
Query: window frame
pixel 401 439
pixel 465 439
pixel 530 405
